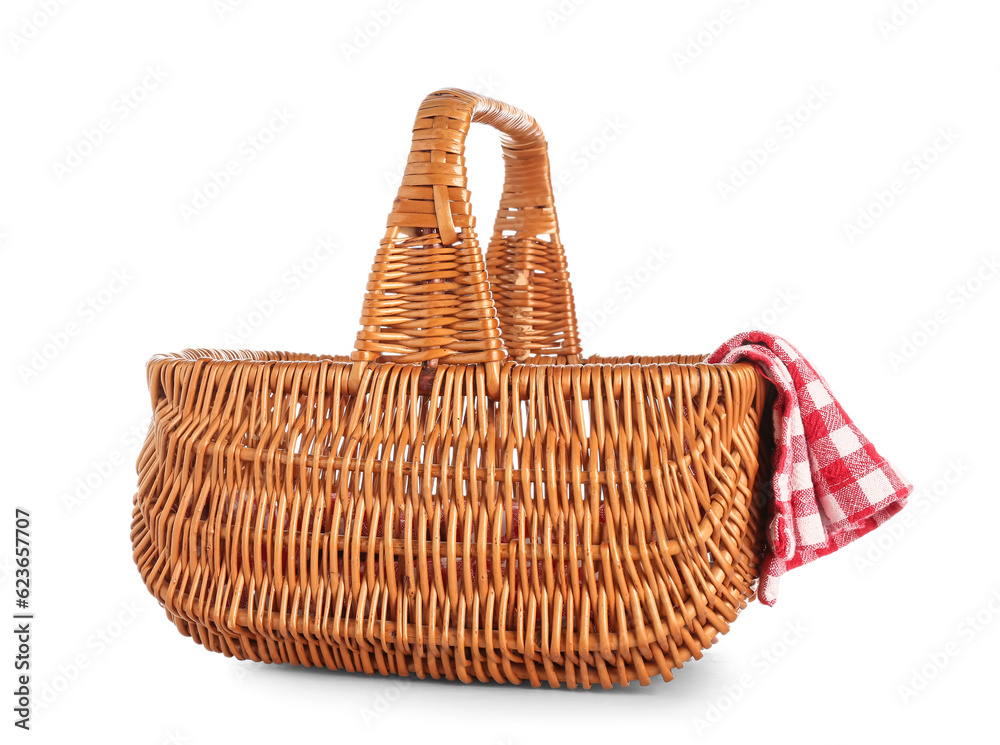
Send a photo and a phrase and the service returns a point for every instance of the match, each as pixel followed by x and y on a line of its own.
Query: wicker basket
pixel 465 496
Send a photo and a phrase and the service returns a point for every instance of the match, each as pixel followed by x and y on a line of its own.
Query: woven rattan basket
pixel 465 496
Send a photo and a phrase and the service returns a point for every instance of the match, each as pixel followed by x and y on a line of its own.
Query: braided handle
pixel 429 295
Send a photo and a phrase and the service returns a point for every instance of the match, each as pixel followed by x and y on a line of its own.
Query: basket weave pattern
pixel 464 497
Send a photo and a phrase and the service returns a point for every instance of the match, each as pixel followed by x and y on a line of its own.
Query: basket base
pixel 446 666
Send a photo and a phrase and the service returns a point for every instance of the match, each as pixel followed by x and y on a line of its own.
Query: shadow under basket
pixel 465 496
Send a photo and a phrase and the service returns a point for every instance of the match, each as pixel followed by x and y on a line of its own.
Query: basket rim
pixel 690 371
pixel 263 357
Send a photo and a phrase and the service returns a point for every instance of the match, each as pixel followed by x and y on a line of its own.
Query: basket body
pixel 594 523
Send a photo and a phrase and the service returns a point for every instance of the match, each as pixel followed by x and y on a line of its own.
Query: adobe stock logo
pixel 899 17
pixel 787 126
pixel 559 14
pixel 225 7
pixel 31 25
pixel 292 280
pixel 626 287
pixel 384 700
pixel 767 317
pixel 761 664
pixel 247 151
pixel 711 30
pixel 583 157
pixel 880 543
pixel 97 644
pixel 104 469
pixel 935 662
pixel 86 313
pixel 369 30
pixel 956 300
pixel 123 106
pixel 914 168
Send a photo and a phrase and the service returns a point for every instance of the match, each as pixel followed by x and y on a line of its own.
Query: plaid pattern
pixel 830 484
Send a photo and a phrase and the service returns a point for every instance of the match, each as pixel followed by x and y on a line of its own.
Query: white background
pixel 775 253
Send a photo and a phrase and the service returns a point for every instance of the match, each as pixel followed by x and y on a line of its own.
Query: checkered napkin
pixel 830 484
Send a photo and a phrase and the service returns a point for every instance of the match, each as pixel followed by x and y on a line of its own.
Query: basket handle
pixel 429 294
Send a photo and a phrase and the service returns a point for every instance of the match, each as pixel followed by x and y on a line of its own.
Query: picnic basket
pixel 466 496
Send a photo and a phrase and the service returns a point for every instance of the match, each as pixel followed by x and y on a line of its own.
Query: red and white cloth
pixel 830 484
